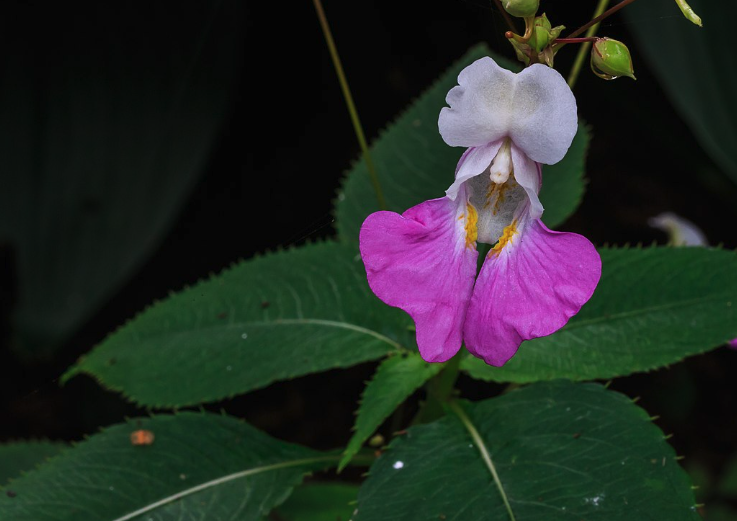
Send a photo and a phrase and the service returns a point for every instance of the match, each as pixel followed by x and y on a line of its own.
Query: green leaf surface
pixel 22 456
pixel 200 466
pixel 653 307
pixel 414 164
pixel 100 148
pixel 688 62
pixel 562 451
pixel 395 380
pixel 319 502
pixel 563 182
pixel 272 318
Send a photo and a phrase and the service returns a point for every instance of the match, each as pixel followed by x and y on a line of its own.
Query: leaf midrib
pixel 220 481
pixel 641 311
pixel 278 322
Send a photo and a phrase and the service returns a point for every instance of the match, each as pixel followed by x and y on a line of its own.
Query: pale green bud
pixel 611 59
pixel 521 8
pixel 543 34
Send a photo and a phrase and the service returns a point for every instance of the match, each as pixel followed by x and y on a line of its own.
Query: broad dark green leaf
pixel 563 182
pixel 689 63
pixel 414 164
pixel 319 502
pixel 101 143
pixel 22 456
pixel 653 307
pixel 395 380
pixel 200 466
pixel 562 451
pixel 272 318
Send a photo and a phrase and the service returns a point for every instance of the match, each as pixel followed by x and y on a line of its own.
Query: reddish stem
pixel 576 40
pixel 506 16
pixel 598 19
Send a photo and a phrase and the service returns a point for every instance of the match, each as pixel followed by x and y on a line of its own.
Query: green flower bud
pixel 611 59
pixel 542 33
pixel 521 8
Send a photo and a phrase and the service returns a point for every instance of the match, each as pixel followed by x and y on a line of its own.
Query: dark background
pixel 274 168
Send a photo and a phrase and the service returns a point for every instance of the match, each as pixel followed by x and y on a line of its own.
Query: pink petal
pixel 733 343
pixel 423 262
pixel 528 289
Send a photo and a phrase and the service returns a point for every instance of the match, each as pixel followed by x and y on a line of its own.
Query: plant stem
pixel 481 446
pixel 443 385
pixel 505 15
pixel 439 391
pixel 597 19
pixel 581 56
pixel 349 103
pixel 575 40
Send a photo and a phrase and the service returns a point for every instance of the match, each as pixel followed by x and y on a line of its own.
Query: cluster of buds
pixel 536 45
pixel 541 41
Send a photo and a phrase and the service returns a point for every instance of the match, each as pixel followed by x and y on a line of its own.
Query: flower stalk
pixel 357 128
pixel 584 50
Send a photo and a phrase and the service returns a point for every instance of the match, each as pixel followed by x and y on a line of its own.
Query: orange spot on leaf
pixel 142 437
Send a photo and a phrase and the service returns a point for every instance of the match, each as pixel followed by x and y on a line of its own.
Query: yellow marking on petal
pixel 506 238
pixel 495 195
pixel 472 232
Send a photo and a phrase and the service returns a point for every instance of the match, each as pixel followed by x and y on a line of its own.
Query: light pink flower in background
pixel 681 231
pixel 533 279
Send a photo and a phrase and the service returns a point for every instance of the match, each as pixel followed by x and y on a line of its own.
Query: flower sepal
pixel 543 34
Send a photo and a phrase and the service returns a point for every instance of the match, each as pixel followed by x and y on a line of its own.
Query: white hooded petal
pixel 473 162
pixel 535 108
pixel 480 106
pixel 545 115
pixel 528 176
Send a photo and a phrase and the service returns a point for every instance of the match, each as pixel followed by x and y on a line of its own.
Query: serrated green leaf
pixel 320 502
pixel 202 466
pixel 562 451
pixel 272 318
pixel 395 380
pixel 563 182
pixel 414 164
pixel 686 60
pixel 22 456
pixel 653 307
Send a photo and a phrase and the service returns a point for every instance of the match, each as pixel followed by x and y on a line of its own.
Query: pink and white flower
pixel 533 279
